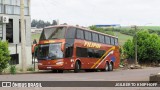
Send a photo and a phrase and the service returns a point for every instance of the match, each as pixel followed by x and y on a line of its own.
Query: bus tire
pixel 77 67
pixel 60 71
pixel 111 66
pixel 106 67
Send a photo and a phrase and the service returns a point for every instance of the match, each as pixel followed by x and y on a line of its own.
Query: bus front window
pixel 50 52
pixel 53 33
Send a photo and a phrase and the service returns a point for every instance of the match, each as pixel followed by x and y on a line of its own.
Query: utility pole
pixel 23 38
pixel 135 28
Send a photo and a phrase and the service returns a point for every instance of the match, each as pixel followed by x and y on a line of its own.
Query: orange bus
pixel 65 47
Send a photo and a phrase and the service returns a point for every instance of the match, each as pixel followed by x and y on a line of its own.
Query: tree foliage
pixel 148 47
pixel 41 23
pixel 4 56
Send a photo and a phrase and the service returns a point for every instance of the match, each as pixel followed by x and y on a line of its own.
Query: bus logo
pixel 92 45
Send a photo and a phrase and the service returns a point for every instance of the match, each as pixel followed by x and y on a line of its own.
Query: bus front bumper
pixel 58 65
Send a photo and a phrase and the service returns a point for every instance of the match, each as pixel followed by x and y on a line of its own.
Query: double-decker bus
pixel 65 47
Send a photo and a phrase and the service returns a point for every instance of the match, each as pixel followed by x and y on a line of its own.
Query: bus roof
pixel 81 28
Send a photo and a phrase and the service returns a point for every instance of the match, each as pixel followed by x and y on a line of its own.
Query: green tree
pixel 4 56
pixel 148 47
pixel 128 49
pixel 54 22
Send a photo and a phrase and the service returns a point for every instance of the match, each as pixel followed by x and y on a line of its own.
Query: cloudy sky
pixel 91 12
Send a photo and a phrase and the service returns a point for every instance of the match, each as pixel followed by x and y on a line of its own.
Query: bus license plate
pixel 49 67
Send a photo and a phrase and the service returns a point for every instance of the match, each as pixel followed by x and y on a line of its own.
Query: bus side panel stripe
pixel 103 57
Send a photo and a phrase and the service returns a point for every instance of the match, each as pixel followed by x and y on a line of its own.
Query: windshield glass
pixel 53 33
pixel 50 51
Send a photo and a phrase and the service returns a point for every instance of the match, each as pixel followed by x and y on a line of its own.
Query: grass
pixel 150 27
pixel 36 36
pixel 122 37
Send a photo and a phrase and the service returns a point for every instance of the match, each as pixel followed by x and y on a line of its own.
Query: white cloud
pixel 89 12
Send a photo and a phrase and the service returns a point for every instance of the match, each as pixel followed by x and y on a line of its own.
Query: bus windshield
pixel 53 33
pixel 50 52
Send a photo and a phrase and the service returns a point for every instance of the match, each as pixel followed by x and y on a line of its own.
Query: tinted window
pixel 81 52
pixel 87 35
pixel 70 32
pixel 90 53
pixel 69 47
pixel 95 37
pixel 80 34
pixel 112 41
pixel 108 40
pixel 53 33
pixel 116 41
pixel 69 51
pixel 87 52
pixel 101 38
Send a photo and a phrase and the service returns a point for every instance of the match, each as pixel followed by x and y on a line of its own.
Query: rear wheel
pixel 77 67
pixel 111 66
pixel 106 67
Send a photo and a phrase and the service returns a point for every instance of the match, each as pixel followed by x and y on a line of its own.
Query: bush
pixel 148 47
pixel 13 69
pixel 4 56
pixel 30 69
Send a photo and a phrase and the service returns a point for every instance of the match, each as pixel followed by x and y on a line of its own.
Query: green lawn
pixel 35 36
pixel 150 27
pixel 122 37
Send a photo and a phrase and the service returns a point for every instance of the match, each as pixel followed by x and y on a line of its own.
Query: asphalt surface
pixel 116 75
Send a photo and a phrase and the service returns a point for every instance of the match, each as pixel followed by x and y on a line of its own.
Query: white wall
pixel 16 33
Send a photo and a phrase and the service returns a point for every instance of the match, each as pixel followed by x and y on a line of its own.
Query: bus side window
pixel 116 41
pixel 80 34
pixel 95 37
pixel 90 53
pixel 101 38
pixel 112 41
pixel 70 33
pixel 108 40
pixel 81 52
pixel 87 35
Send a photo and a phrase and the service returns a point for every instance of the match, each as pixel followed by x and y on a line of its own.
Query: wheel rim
pixel 110 66
pixel 106 66
pixel 78 66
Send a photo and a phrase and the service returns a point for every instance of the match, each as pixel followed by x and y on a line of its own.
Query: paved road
pixel 116 75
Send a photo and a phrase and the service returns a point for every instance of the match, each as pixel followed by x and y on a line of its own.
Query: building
pixel 10 28
pixel 35 30
pixel 108 25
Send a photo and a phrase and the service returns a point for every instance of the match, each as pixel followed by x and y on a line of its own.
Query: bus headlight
pixel 72 60
pixel 40 64
pixel 59 63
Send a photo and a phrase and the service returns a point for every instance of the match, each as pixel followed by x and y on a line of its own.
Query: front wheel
pixel 77 67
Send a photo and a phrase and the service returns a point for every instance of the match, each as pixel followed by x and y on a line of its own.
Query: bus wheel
pixel 111 66
pixel 106 67
pixel 77 67
pixel 60 71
